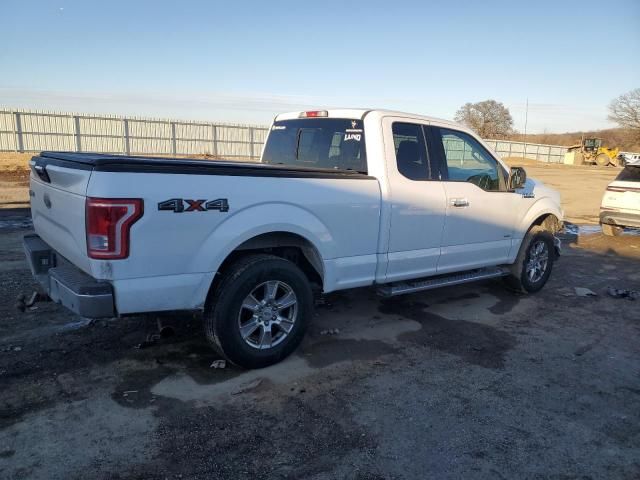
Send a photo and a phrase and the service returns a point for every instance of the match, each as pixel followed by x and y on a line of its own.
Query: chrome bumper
pixel 65 283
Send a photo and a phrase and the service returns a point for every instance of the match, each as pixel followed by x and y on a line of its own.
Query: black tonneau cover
pixel 122 163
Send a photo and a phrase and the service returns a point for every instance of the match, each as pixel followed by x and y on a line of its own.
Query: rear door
pixel 480 212
pixel 417 202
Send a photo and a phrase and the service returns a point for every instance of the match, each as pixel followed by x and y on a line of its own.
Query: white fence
pixel 535 151
pixel 34 131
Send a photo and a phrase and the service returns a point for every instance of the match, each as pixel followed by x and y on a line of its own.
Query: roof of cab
pixel 361 112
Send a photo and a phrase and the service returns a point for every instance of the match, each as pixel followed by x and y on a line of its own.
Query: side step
pixel 429 283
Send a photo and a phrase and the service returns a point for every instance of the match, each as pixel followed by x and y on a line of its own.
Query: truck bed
pixel 137 164
pixel 174 253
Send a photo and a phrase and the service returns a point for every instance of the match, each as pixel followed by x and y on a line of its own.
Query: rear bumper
pixel 622 219
pixel 65 283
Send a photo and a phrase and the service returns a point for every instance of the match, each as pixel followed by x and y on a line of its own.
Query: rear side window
pixel 629 174
pixel 328 143
pixel 410 149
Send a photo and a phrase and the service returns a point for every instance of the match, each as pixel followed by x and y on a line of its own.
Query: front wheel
pixel 611 230
pixel 603 159
pixel 260 310
pixel 534 262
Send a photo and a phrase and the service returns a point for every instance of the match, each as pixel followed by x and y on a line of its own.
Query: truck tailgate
pixel 58 209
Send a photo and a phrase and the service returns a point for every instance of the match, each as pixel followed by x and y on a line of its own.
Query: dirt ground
pixel 581 187
pixel 463 382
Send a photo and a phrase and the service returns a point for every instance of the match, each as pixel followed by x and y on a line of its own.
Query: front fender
pixel 543 206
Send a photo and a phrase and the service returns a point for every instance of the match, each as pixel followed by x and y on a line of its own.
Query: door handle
pixel 459 202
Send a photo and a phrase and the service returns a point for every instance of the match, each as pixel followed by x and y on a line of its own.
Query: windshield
pixel 629 174
pixel 329 143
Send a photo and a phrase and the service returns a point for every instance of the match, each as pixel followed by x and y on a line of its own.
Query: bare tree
pixel 489 119
pixel 625 111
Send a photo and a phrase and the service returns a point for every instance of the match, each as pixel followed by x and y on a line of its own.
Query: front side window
pixel 411 153
pixel 468 161
pixel 328 143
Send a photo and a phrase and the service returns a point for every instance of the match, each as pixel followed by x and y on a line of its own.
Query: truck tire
pixel 611 230
pixel 603 159
pixel 534 262
pixel 259 312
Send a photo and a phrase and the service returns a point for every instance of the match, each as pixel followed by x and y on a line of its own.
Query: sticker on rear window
pixel 352 136
pixel 279 127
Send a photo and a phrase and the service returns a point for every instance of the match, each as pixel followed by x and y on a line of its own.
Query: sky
pixel 244 62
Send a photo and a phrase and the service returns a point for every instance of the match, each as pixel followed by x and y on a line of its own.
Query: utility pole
pixel 526 118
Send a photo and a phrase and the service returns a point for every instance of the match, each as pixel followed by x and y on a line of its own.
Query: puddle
pixel 182 386
pixel 323 354
pixel 47 331
pixel 77 325
pixel 574 229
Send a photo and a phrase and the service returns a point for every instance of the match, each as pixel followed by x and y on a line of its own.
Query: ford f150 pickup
pixel 340 199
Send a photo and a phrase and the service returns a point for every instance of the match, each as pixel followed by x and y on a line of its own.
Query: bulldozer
pixel 591 152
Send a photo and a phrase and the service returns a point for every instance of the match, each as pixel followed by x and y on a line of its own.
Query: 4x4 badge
pixel 179 205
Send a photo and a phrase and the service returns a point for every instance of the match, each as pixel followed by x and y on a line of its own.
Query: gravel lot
pixel 463 382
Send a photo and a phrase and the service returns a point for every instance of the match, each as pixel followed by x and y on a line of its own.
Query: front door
pixel 480 212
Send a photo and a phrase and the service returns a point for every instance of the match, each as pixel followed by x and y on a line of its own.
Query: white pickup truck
pixel 341 199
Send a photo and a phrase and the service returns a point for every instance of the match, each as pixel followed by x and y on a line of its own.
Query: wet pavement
pixel 462 382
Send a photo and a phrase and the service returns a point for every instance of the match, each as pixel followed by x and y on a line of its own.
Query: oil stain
pixel 506 300
pixel 474 343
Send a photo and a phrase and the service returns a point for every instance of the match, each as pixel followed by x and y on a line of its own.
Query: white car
pixel 341 199
pixel 628 158
pixel 621 202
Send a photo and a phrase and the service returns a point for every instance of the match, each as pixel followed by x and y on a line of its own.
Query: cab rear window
pixel 629 174
pixel 326 143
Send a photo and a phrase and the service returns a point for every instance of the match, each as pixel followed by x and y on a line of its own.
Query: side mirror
pixel 517 178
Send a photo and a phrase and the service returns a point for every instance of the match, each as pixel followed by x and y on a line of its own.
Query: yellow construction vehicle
pixel 591 152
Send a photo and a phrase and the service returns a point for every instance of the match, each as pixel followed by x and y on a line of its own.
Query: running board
pixel 410 286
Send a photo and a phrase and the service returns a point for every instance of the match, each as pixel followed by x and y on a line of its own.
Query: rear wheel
pixel 260 310
pixel 611 230
pixel 603 159
pixel 534 262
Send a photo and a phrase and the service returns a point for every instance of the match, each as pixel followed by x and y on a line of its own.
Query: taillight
pixel 314 114
pixel 108 221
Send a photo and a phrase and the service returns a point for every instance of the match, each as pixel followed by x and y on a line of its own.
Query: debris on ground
pixel 219 364
pixel 151 340
pixel 247 387
pixel 332 331
pixel 22 304
pixel 623 293
pixel 585 292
